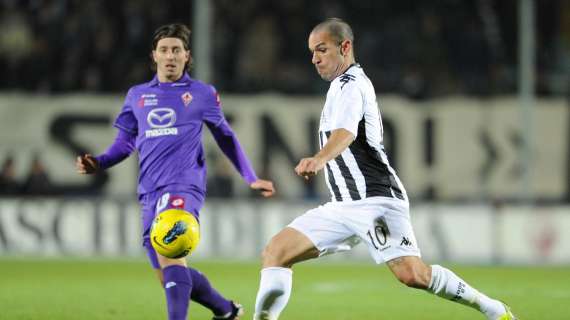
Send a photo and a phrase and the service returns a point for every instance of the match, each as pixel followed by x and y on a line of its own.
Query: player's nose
pixel 315 59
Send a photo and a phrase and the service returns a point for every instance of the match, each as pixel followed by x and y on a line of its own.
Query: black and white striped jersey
pixel 362 170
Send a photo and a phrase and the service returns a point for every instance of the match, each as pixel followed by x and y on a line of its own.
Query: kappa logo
pixel 405 242
pixel 170 284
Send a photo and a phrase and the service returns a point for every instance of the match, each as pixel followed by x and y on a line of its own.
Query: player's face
pixel 327 55
pixel 170 58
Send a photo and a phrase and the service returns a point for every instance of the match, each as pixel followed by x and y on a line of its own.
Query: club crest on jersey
pixel 186 98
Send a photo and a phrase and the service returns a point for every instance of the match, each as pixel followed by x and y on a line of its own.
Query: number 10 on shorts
pixel 379 234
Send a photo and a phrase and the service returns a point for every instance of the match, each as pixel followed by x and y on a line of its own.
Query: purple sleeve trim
pixel 228 142
pixel 121 148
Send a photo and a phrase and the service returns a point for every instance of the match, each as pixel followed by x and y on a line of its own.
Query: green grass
pixel 109 289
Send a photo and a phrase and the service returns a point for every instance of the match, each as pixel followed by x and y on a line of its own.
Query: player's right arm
pixel 121 148
pixel 338 141
pixel 348 110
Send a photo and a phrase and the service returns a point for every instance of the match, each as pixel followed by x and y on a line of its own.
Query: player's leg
pixel 289 246
pixel 201 291
pixel 414 273
pixel 390 237
pixel 177 286
pixel 311 235
pixel 204 294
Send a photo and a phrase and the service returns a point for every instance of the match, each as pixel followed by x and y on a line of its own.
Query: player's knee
pixel 273 255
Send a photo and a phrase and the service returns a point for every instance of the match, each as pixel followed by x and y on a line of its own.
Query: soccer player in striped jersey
pixel 369 203
pixel 163 120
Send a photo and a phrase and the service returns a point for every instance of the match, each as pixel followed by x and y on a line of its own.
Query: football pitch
pixel 127 289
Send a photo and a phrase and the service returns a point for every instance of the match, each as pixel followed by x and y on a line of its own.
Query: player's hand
pixel 265 186
pixel 86 164
pixel 309 167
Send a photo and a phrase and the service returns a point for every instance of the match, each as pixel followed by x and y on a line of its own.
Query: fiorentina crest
pixel 186 98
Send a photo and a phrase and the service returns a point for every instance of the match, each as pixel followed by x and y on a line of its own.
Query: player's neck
pixel 345 66
pixel 164 78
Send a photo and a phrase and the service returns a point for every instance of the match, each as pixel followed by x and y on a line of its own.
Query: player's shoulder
pixel 204 86
pixel 353 78
pixel 206 91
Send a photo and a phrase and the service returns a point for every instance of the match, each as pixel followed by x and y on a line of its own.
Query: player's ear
pixel 189 60
pixel 345 46
pixel 153 55
pixel 188 56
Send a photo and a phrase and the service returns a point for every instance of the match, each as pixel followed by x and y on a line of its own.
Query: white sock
pixel 446 284
pixel 274 291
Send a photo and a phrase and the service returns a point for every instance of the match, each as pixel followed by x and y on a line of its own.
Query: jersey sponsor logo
pixel 161 120
pixel 186 98
pixel 161 132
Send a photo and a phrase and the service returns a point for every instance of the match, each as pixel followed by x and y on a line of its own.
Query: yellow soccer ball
pixel 175 233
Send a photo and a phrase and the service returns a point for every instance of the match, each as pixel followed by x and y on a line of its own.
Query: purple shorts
pixel 158 201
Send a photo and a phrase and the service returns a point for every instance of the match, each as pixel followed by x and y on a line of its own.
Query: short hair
pixel 173 30
pixel 337 28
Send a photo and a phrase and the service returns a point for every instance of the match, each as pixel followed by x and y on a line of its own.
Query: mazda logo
pixel 161 118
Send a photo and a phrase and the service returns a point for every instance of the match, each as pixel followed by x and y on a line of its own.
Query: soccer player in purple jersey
pixel 162 119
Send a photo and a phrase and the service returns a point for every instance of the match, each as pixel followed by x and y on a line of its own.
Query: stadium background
pixel 474 96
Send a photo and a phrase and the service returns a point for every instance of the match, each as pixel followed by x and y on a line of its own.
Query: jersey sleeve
pixel 226 138
pixel 213 114
pixel 126 119
pixel 348 108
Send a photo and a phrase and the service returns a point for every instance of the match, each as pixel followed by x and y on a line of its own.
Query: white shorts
pixel 382 223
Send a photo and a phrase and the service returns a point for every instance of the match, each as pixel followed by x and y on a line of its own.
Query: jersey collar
pixel 356 64
pixel 183 81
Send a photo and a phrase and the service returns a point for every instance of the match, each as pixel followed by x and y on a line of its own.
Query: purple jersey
pixel 167 119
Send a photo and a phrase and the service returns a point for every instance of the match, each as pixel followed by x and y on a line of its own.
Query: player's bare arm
pixel 338 141
pixel 264 186
pixel 86 164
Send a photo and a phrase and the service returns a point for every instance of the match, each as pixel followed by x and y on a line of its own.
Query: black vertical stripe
pixel 378 179
pixel 332 181
pixel 345 172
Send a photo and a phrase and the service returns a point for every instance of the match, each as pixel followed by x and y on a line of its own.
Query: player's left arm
pixel 229 143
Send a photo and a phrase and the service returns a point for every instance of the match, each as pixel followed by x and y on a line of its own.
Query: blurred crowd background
pixel 420 49
pixel 416 50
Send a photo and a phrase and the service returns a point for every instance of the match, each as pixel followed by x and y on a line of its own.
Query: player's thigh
pixel 385 226
pixel 323 229
pixel 154 203
pixel 288 247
